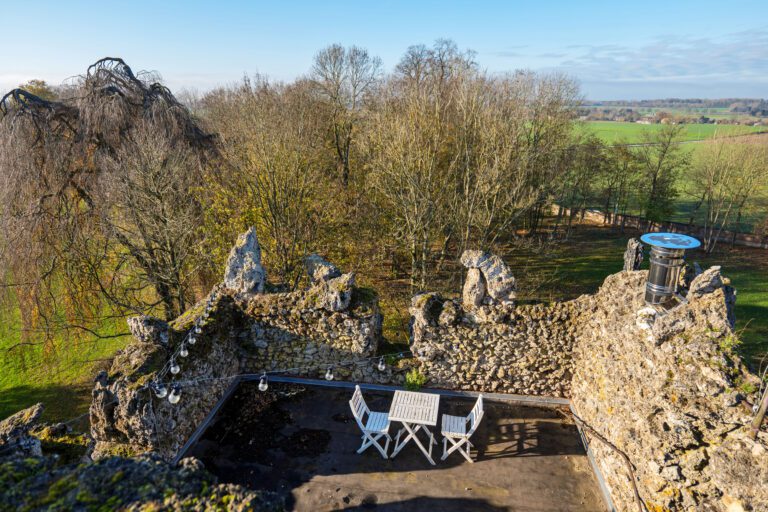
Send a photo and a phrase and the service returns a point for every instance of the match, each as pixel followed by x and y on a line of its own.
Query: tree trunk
pixel 414 266
pixel 424 256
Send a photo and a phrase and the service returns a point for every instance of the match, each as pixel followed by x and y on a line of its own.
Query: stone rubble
pixel 500 284
pixel 318 269
pixel 473 294
pixel 674 401
pixel 334 294
pixel 501 348
pixel 330 323
pixel 41 483
pixel 147 329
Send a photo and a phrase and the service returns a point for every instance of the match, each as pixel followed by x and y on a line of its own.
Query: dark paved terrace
pixel 302 441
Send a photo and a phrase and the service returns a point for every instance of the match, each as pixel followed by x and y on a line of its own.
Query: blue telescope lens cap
pixel 670 240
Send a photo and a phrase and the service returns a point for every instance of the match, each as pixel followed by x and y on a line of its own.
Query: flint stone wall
pixel 126 417
pixel 502 348
pixel 289 331
pixel 669 391
pixel 249 334
pixel 666 389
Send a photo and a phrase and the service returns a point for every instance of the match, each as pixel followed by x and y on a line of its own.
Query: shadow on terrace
pixel 302 441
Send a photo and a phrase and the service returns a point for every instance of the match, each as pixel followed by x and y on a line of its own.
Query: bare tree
pixel 501 175
pixel 727 174
pixel 461 157
pixel 622 178
pixel 272 140
pixel 343 76
pixel 405 152
pixel 662 160
pixel 149 215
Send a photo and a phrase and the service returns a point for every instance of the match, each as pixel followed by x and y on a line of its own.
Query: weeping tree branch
pixel 66 169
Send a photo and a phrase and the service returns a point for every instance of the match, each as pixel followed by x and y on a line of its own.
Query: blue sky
pixel 618 50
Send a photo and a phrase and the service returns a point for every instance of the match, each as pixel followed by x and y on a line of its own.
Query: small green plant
pixel 729 343
pixel 747 388
pixel 414 380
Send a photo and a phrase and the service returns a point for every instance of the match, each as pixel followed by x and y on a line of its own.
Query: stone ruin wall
pixel 247 331
pixel 486 342
pixel 525 350
pixel 670 392
pixel 667 390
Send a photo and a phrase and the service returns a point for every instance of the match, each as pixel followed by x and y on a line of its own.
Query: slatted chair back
pixel 475 416
pixel 359 407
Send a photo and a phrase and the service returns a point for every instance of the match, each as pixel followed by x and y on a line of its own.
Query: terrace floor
pixel 301 442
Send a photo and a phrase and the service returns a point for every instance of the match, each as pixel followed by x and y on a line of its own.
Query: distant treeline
pixel 747 106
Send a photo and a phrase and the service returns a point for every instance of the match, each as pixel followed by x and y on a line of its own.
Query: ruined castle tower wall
pixel 670 392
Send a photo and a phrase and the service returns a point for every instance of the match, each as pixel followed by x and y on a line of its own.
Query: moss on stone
pixel 69 447
pixel 121 450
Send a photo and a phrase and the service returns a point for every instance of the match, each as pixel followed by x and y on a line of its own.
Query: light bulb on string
pixel 192 340
pixel 160 390
pixel 184 352
pixel 198 330
pixel 175 368
pixel 382 364
pixel 175 395
pixel 263 385
pixel 329 374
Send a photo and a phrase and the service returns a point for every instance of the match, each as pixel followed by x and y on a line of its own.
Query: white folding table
pixel 416 411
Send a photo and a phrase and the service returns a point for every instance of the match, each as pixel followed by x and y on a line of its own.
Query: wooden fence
pixel 642 224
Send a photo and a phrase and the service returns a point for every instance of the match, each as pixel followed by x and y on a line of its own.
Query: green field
pixel 613 132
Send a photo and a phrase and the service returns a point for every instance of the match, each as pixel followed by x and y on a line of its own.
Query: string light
pixel 160 390
pixel 175 395
pixel 191 339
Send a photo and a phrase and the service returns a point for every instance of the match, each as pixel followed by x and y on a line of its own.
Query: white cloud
pixel 734 57
pixel 731 65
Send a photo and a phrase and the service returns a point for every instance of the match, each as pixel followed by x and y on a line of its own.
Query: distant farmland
pixel 613 132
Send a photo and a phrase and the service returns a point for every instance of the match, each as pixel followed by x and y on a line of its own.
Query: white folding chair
pixel 374 425
pixel 455 430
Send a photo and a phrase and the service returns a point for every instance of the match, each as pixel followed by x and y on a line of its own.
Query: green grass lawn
pixel 615 132
pixel 58 373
